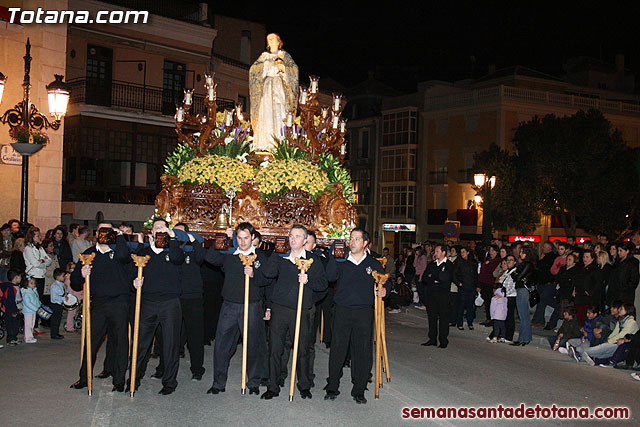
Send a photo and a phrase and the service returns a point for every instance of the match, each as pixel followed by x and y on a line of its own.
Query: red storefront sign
pixel 579 240
pixel 530 239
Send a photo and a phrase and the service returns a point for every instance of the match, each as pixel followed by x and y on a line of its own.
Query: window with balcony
pixel 398 164
pixel 399 128
pixel 397 201
pixel 99 68
pixel 173 82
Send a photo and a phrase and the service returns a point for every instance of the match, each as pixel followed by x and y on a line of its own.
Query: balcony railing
pixel 136 97
pixel 510 93
pixel 465 176
pixel 438 177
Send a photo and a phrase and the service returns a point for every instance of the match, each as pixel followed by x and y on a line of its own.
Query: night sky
pixel 408 42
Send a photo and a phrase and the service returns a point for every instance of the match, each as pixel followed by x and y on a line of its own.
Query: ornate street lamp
pixel 486 183
pixel 26 115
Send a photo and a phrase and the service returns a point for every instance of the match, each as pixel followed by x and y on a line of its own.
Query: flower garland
pixel 282 175
pixel 226 172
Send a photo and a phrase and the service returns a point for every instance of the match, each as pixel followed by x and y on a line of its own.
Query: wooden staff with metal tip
pixel 321 326
pixel 380 280
pixel 87 259
pixel 382 325
pixel 140 262
pixel 247 261
pixel 303 265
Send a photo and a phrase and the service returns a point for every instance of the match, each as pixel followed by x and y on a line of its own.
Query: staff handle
pixel 247 260
pixel 140 262
pixel 303 266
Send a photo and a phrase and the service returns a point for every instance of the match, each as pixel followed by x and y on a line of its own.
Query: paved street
pixel 35 380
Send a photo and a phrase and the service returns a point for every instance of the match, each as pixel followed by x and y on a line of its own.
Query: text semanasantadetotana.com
pixel 517 412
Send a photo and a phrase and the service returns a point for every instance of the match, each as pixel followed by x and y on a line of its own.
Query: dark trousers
pixel 352 331
pixel 193 326
pixel 510 323
pixel 486 291
pixel 311 345
pixel 621 354
pixel 212 304
pixel 326 307
pixel 547 298
pixel 55 319
pixel 13 326
pixel 438 313
pixel 454 301
pixel 467 296
pixel 283 324
pixel 634 350
pixel 230 324
pixel 110 318
pixel 43 300
pixel 168 316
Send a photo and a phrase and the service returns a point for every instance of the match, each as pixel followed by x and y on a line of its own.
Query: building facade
pixel 48 50
pixel 126 81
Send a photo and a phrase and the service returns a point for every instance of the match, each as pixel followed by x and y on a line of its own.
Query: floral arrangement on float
pixel 218 167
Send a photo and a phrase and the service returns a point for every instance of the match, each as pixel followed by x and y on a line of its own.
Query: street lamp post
pixel 26 115
pixel 486 183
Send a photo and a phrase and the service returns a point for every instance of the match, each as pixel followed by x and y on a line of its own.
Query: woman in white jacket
pixel 36 260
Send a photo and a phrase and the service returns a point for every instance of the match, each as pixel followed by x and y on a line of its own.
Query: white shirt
pixel 439 262
pixel 99 249
pixel 154 249
pixel 251 250
pixel 292 258
pixel 353 260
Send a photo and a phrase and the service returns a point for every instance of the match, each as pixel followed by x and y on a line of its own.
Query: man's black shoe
pixel 360 399
pixel 196 377
pixel 268 395
pixel 254 390
pixel 428 343
pixel 214 390
pixel 79 385
pixel 305 394
pixel 516 343
pixel 103 375
pixel 119 387
pixel 157 375
pixel 166 390
pixel 331 395
pixel 57 337
pixel 443 345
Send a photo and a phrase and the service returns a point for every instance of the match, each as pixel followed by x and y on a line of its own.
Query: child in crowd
pixel 620 355
pixel 9 307
pixel 593 319
pixel 570 329
pixel 57 299
pixel 69 326
pixel 30 305
pixel 498 311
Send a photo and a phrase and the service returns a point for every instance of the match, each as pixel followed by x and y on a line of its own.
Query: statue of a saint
pixel 273 88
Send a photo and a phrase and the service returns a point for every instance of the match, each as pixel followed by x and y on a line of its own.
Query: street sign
pixel 451 230
pixel 9 156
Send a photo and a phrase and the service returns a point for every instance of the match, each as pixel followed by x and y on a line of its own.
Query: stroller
pixel 77 318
